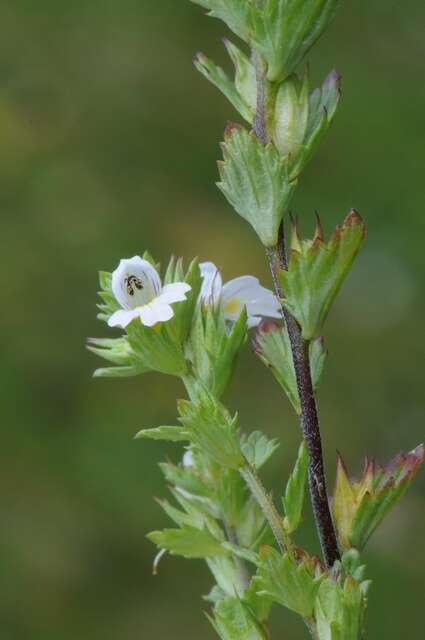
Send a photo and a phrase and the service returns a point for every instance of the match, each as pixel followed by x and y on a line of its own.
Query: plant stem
pixel 266 505
pixel 300 354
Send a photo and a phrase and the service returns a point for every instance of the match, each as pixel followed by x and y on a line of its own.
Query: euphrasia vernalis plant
pixel 190 325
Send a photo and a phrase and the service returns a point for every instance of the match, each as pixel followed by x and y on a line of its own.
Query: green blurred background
pixel 108 145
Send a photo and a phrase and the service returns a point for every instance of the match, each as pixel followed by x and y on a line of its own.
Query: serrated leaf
pixel 255 181
pixel 172 434
pixel 258 448
pixel 212 429
pixel 188 542
pixel 316 271
pixel 235 13
pixel 293 501
pixel 284 30
pixel 291 583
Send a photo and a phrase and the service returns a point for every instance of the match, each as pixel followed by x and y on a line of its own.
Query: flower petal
pixel 246 291
pixel 212 283
pixel 122 318
pixel 154 312
pixel 135 282
pixel 174 292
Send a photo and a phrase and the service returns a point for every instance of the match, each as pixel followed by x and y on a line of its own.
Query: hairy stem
pixel 300 354
pixel 266 505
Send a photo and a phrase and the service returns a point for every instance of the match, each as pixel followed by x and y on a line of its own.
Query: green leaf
pixel 119 352
pixel 283 31
pixel 213 348
pixel 339 610
pixel 316 271
pixel 359 506
pixel 188 542
pixel 235 13
pixel 257 448
pixel 272 345
pixel 293 501
pixel 172 434
pixel 221 80
pixel 245 76
pixel 290 582
pixel 233 620
pixel 255 181
pixel 212 429
pixel 185 478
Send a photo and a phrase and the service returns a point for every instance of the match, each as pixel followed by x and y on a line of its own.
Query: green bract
pixel 339 609
pixel 316 271
pixel 233 620
pixel 272 345
pixel 360 506
pixel 293 500
pixel 235 13
pixel 290 582
pixel 214 345
pixel 282 31
pixel 212 429
pixel 255 181
pixel 242 92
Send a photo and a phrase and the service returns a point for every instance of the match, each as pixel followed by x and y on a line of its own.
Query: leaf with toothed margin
pixel 272 345
pixel 212 428
pixel 235 13
pixel 283 31
pixel 359 506
pixel 290 581
pixel 316 271
pixel 258 448
pixel 255 181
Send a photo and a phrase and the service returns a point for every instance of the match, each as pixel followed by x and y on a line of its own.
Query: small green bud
pixel 291 115
pixel 301 118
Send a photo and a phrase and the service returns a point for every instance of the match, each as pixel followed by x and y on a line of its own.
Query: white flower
pixel 137 287
pixel 245 291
